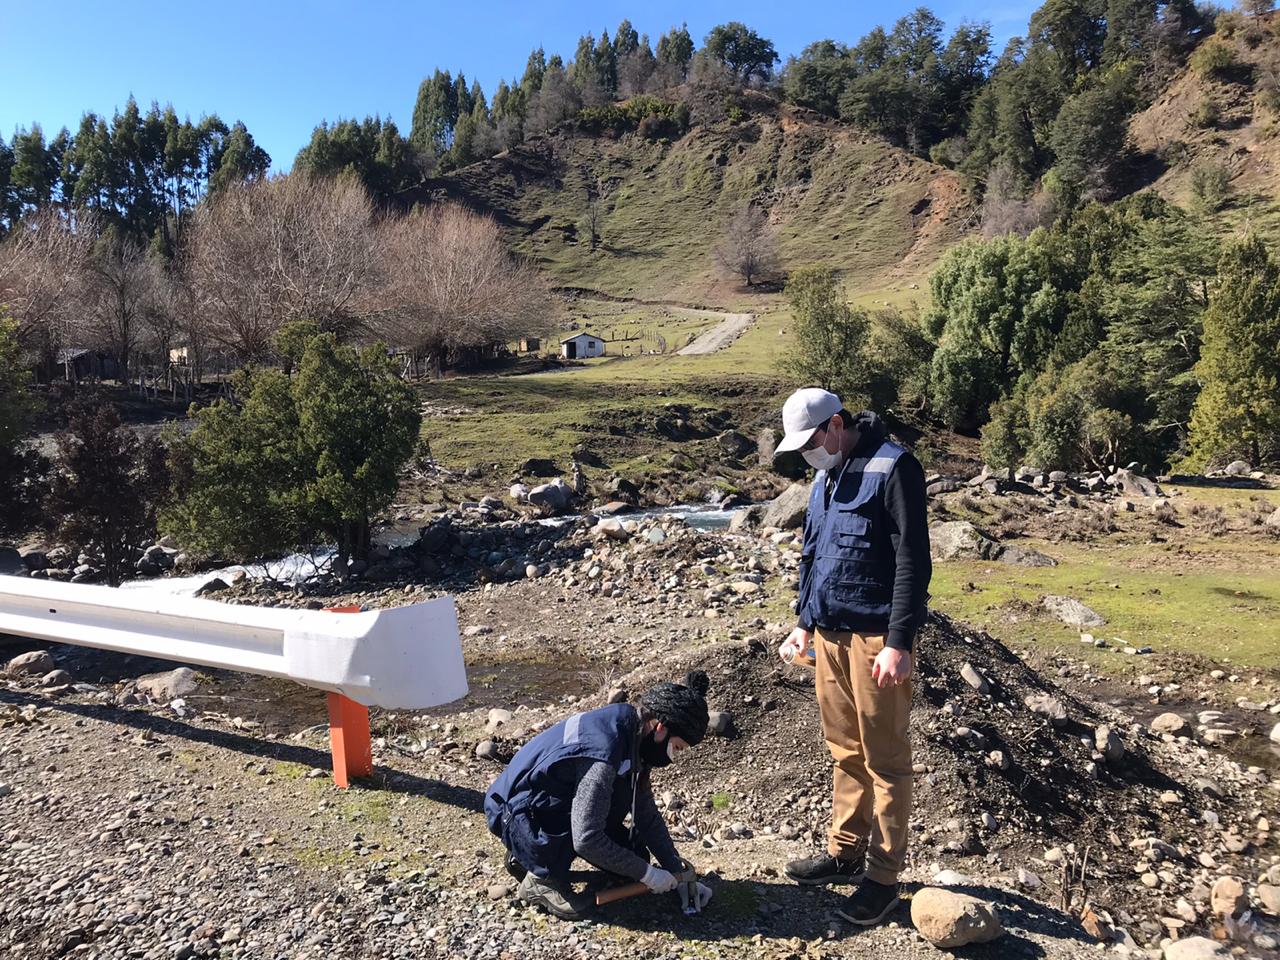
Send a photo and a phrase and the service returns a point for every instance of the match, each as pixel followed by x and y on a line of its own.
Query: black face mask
pixel 653 753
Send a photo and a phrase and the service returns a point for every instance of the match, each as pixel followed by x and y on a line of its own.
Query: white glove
pixel 659 880
pixel 704 896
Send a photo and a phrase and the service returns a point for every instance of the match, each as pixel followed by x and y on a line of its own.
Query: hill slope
pixel 1219 120
pixel 835 196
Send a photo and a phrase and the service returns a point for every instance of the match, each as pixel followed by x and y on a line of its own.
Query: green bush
pixel 1213 58
pixel 1210 185
pixel 830 343
pixel 293 462
pixel 1206 113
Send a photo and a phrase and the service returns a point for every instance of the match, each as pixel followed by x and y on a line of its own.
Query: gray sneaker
pixel 556 900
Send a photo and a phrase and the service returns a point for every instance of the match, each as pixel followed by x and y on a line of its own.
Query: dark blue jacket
pixel 529 809
pixel 865 565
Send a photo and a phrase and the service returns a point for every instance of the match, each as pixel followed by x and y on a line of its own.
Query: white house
pixel 580 346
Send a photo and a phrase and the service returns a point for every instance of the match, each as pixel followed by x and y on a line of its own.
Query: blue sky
pixel 282 67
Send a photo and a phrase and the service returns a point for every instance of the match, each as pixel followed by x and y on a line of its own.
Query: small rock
pixel 169 685
pixel 499 891
pixel 1109 744
pixel 617 695
pixel 1269 897
pixel 35 663
pixel 487 750
pixel 1228 897
pixel 948 919
pixel 55 678
pixel 1051 708
pixel 1194 948
pixel 1072 611
pixel 720 723
pixel 1170 723
pixel 975 679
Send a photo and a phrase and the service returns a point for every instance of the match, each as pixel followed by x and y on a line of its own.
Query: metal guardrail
pixel 401 658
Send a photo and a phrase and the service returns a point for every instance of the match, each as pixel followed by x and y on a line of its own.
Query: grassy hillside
pixel 1222 120
pixel 835 196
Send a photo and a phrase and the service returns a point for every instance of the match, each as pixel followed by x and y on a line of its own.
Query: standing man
pixel 864 579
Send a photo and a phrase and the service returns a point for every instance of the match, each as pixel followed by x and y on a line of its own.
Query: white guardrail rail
pixel 401 658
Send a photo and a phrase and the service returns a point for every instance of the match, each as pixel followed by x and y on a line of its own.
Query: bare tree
pixel 41 268
pixel 748 248
pixel 452 287
pixel 121 283
pixel 293 247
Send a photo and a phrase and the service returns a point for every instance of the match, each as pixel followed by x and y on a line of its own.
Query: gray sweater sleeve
pixel 653 829
pixel 588 818
pixel 590 814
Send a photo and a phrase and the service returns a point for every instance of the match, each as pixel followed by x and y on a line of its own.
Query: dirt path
pixel 718 337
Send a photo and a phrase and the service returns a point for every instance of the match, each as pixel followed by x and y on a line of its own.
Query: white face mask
pixel 819 459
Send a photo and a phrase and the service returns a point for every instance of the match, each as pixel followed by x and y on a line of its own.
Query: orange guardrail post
pixel 349 739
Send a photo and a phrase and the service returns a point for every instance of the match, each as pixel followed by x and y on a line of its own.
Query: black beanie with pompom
pixel 681 708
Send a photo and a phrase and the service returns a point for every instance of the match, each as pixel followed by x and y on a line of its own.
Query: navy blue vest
pixel 529 809
pixel 847 547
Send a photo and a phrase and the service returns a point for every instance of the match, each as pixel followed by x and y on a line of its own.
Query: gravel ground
pixel 210 827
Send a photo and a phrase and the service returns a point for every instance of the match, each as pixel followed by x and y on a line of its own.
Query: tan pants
pixel 865 727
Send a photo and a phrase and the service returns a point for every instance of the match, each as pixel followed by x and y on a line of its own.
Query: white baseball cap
pixel 803 413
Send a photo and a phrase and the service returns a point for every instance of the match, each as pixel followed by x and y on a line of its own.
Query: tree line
pixel 438 284
pixel 141 174
pixel 1122 333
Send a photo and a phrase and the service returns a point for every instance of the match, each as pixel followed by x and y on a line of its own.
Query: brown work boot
pixel 559 901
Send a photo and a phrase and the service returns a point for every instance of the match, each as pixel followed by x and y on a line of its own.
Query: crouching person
pixel 568 791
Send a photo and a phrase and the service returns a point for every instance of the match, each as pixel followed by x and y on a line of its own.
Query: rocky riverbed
pixel 192 815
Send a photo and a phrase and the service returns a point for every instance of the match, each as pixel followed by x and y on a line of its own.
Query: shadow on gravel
pixel 383 778
pixel 782 911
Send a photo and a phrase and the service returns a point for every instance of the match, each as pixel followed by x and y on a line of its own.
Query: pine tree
pixel 1238 411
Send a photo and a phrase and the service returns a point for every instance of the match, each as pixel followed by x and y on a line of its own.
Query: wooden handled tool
pixel 626 892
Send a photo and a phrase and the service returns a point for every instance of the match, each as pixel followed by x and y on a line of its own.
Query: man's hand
pixel 659 880
pixel 798 640
pixel 892 666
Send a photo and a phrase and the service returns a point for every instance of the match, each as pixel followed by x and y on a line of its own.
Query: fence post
pixel 349 737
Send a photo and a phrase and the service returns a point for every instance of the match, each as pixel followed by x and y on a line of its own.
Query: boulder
pixel 1195 948
pixel 518 492
pixel 212 585
pixel 948 919
pixel 620 488
pixel 1072 611
pixel 1274 519
pixel 1134 484
pixel 1170 723
pixel 35 663
pixel 613 508
pixel 486 750
pixel 786 511
pixel 1275 733
pixel 55 678
pixel 1051 708
pixel 538 467
pixel 747 518
pixel 169 685
pixel 766 445
pixel 1020 556
pixel 1227 897
pixel 1237 468
pixel 38 559
pixel 734 444
pixel 550 497
pixel 11 563
pixel 960 540
pixel 942 485
pixel 612 529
